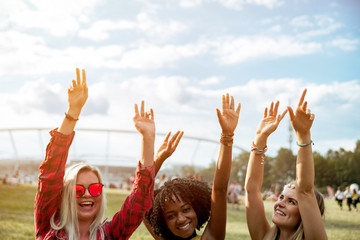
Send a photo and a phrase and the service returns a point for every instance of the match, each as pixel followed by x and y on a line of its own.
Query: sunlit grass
pixel 17 204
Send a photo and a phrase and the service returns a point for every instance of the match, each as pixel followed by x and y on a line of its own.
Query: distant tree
pixel 283 167
pixel 208 173
pixel 268 179
pixel 336 168
pixel 357 148
pixel 238 168
pixel 324 172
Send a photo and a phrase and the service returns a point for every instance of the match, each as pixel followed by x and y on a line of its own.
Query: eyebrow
pixel 182 206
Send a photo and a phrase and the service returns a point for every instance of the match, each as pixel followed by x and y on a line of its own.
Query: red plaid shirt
pixel 48 197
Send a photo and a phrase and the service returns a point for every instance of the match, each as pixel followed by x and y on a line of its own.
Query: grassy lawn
pixel 17 203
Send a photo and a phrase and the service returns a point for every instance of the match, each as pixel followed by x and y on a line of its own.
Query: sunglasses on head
pixel 94 189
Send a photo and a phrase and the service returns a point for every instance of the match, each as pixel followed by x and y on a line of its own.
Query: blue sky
pixel 180 56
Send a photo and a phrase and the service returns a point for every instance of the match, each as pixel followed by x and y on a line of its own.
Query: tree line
pixel 336 168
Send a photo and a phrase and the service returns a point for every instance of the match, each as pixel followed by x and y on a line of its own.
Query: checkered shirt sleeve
pixel 50 182
pixel 132 212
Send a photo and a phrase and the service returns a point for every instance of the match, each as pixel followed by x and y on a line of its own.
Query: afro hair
pixel 189 190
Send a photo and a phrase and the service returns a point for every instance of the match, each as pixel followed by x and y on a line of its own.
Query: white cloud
pixel 318 25
pixel 148 56
pixel 147 23
pixel 154 27
pixel 211 81
pixel 99 30
pixel 345 44
pixel 233 50
pixel 275 29
pixel 37 57
pixel 239 4
pixel 190 3
pixel 302 22
pixel 26 54
pixel 57 18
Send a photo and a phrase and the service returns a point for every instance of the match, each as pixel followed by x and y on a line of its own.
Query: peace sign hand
pixel 78 92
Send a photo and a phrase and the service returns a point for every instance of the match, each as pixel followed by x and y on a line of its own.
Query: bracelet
pixel 258 151
pixel 70 117
pixel 306 144
pixel 227 140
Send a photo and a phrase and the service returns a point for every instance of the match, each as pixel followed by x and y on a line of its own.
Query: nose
pixel 87 193
pixel 280 203
pixel 181 218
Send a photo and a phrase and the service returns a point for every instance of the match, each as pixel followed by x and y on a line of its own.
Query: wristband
pixel 304 145
pixel 70 117
pixel 227 140
pixel 258 151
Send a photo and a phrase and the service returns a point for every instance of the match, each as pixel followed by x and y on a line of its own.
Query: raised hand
pixel 144 121
pixel 77 94
pixel 168 147
pixel 302 119
pixel 271 120
pixel 229 117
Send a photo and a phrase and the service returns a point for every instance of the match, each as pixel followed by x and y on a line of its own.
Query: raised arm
pixel 52 169
pixel 302 121
pixel 166 149
pixel 77 96
pixel 228 119
pixel 144 123
pixel 255 212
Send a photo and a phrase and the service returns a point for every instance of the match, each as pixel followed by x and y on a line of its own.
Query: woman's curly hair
pixel 189 190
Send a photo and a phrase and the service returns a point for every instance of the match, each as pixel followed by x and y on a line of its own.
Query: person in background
pixel 339 197
pixel 355 198
pixel 298 210
pixel 348 196
pixel 70 203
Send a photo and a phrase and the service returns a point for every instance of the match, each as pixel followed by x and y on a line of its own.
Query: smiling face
pixel 180 218
pixel 87 205
pixel 286 210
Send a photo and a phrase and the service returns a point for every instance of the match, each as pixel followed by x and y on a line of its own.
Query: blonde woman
pixel 70 203
pixel 298 211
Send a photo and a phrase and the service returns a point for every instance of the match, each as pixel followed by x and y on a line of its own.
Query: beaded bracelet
pixel 227 140
pixel 70 117
pixel 258 151
pixel 306 144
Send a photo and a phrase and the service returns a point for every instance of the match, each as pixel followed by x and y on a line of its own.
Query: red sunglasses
pixel 94 189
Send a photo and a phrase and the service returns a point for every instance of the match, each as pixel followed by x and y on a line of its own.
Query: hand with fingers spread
pixel 229 117
pixel 302 119
pixel 167 148
pixel 144 121
pixel 271 120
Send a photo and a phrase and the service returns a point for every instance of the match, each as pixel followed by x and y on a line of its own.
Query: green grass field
pixel 17 203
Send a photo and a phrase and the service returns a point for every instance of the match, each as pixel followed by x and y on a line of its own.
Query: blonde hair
pixel 274 232
pixel 68 209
